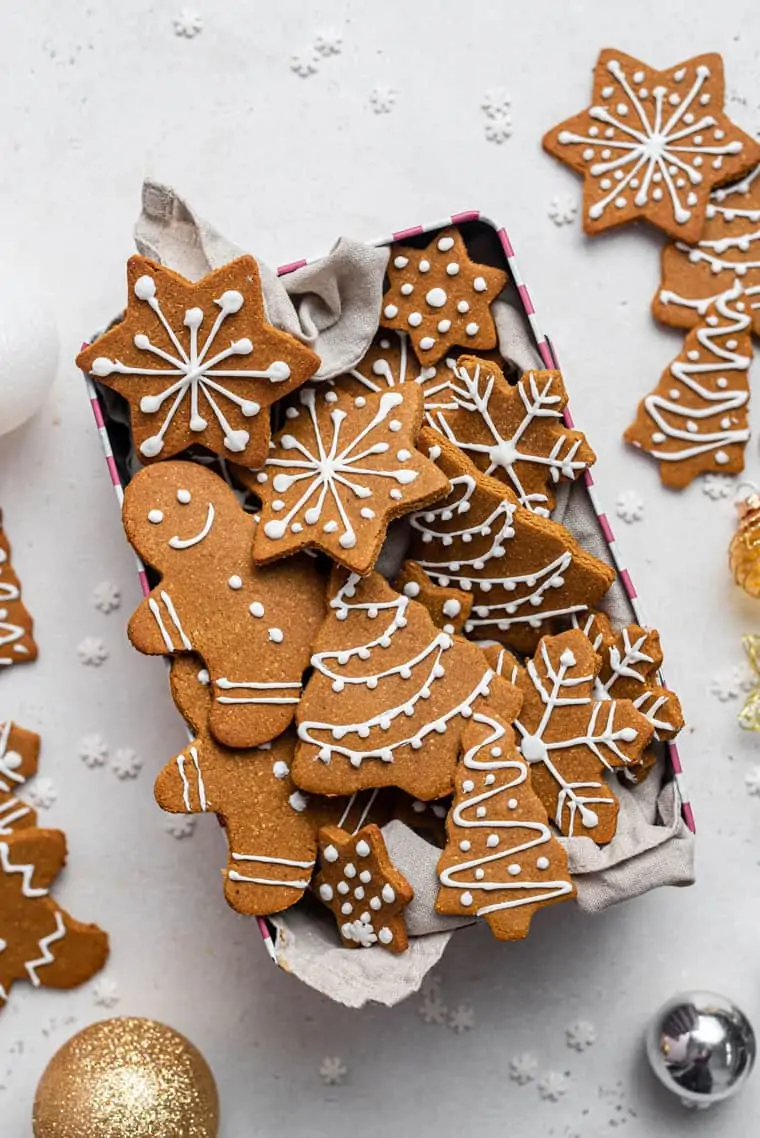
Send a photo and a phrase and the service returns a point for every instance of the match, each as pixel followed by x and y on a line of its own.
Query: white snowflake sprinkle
pixel 496 102
pixel 42 793
pixel 105 993
pixel 304 63
pixel 333 1071
pixel 382 99
pixel 718 486
pixel 432 1009
pixel 188 24
pixel 580 1035
pixel 328 43
pixel 126 763
pixel 180 826
pixel 92 651
pixel 629 506
pixel 562 210
pixel 93 751
pixel 523 1068
pixel 498 128
pixel 462 1018
pixel 752 782
pixel 553 1085
pixel 106 597
pixel 730 683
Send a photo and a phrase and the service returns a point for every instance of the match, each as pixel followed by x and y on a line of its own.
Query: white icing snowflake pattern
pixel 581 1035
pixel 304 63
pixel 562 210
pixel 462 1018
pixel 93 751
pixel 106 597
pixel 188 24
pixel 92 651
pixel 382 99
pixel 105 993
pixel 432 1009
pixel 328 43
pixel 360 930
pixel 553 1085
pixel 523 1068
pixel 42 793
pixel 717 486
pixel 126 763
pixel 752 782
pixel 498 128
pixel 629 506
pixel 333 1071
pixel 180 826
pixel 496 101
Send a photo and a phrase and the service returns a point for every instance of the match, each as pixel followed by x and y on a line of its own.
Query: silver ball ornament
pixel 701 1046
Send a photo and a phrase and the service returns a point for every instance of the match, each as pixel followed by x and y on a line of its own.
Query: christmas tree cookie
pixel 17 644
pixel 19 754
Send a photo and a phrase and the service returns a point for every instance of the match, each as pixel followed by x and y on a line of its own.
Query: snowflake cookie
pixel 41 942
pixel 339 472
pixel 526 573
pixel 361 886
pixel 197 361
pixel 389 696
pixel 501 860
pixel 17 644
pixel 333 1071
pixel 569 737
pixel 440 297
pixel 272 835
pixel 653 144
pixel 19 756
pixel 514 432
pixel 695 421
pixel 253 627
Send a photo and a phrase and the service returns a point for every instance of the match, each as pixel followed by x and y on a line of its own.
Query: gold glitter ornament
pixel 127 1078
pixel 744 550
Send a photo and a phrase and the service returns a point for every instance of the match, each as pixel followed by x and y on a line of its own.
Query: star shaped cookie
pixel 440 297
pixel 197 361
pixel 653 144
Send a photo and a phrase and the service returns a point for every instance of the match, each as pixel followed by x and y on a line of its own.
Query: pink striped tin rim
pixel 549 358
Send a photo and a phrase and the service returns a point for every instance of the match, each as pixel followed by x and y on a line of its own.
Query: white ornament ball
pixel 28 348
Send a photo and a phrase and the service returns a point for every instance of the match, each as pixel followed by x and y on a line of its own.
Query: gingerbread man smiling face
pixel 253 627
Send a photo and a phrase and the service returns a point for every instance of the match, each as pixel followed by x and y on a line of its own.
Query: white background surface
pixel 93 98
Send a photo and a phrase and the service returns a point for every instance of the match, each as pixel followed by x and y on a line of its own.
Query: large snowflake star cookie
pixel 440 297
pixel 197 361
pixel 653 144
pixel 341 469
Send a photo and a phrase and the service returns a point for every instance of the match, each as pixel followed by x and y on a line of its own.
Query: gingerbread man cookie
pixel 653 144
pixel 17 644
pixel 569 737
pixel 197 361
pixel 441 298
pixel 389 695
pixel 39 941
pixel 514 432
pixel 253 627
pixel 526 574
pixel 362 887
pixel 19 755
pixel 340 471
pixel 501 861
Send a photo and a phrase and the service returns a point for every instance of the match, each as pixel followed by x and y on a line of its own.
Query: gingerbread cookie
pixel 428 819
pixel 514 432
pixel 526 573
pixel 726 255
pixel 449 608
pixel 40 941
pixel 339 472
pixel 17 644
pixel 19 755
pixel 695 421
pixel 361 886
pixel 389 696
pixel 569 737
pixel 253 627
pixel 653 144
pixel 441 298
pixel 501 861
pixel 197 361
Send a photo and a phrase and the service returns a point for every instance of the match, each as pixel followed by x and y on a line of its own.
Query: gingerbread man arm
pixel 155 627
pixel 182 787
pixel 71 953
pixel 39 855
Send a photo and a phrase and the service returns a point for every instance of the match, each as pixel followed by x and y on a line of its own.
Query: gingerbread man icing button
pixel 253 627
pixel 440 297
pixel 198 362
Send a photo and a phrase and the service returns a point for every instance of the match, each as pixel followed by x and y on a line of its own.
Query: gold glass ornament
pixel 749 716
pixel 127 1078
pixel 744 550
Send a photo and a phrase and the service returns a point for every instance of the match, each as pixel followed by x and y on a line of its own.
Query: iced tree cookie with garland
pixel 653 144
pixel 17 644
pixel 19 755
pixel 253 627
pixel 198 362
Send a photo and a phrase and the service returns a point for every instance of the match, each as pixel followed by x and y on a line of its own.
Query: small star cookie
pixel 653 144
pixel 440 297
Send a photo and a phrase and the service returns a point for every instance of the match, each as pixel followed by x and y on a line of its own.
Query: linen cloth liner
pixel 332 305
